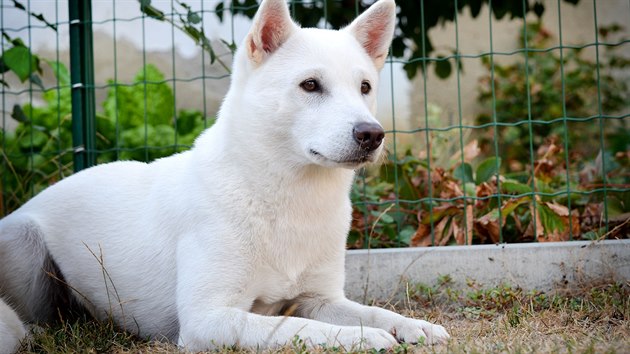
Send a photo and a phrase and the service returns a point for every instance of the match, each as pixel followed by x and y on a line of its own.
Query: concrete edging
pixel 385 273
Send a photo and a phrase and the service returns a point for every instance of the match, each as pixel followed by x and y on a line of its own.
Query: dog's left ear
pixel 272 26
pixel 374 30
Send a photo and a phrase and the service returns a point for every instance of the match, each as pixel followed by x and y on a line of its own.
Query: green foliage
pixel 405 204
pixel 21 61
pixel 39 151
pixel 148 99
pixel 535 88
pixel 17 57
pixel 189 22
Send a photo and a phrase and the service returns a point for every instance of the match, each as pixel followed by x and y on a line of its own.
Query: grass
pixel 593 318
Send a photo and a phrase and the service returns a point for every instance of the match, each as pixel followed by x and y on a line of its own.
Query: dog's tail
pixel 30 281
pixel 12 330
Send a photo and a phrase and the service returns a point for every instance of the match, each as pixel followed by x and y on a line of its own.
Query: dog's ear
pixel 374 30
pixel 272 26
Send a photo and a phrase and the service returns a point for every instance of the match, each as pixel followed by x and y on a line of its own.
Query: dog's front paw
pixel 377 338
pixel 418 331
pixel 364 338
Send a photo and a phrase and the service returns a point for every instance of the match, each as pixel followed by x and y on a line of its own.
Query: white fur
pixel 207 247
pixel 11 329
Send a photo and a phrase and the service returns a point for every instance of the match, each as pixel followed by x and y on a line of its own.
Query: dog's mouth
pixel 354 160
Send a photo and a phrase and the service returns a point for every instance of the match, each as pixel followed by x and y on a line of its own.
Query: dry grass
pixel 591 319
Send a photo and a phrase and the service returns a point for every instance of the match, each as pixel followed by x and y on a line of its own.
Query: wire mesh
pixel 513 139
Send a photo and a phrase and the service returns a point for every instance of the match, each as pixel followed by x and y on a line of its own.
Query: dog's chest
pixel 271 289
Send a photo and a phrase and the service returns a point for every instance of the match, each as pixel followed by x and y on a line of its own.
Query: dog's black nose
pixel 368 135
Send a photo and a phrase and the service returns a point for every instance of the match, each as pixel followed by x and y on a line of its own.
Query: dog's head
pixel 314 91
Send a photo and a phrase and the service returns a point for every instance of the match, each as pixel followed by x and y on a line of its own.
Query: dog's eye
pixel 310 85
pixel 365 87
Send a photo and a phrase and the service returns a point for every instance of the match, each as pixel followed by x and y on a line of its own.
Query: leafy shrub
pixel 542 74
pixel 405 204
pixel 138 123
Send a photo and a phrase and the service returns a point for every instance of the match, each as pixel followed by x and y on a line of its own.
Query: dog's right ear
pixel 272 26
pixel 374 30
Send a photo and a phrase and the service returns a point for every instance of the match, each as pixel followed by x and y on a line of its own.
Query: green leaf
pixel 17 42
pixel 61 72
pixel 487 169
pixel 231 46
pixel 34 138
pixel 36 80
pixel 147 9
pixel 218 10
pixel 512 204
pixel 20 60
pixel 3 67
pixel 549 219
pixel 18 114
pixel 470 189
pixel 386 218
pixel 151 99
pixel 193 17
pixel 18 5
pixel 443 68
pixel 464 173
pixel 193 33
pixel 514 187
pixel 208 47
pixel 406 234
pixel 41 18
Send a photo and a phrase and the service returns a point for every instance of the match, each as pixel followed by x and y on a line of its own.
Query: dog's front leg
pixel 342 311
pixel 225 326
pixel 216 289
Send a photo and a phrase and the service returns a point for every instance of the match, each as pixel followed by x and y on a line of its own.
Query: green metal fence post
pixel 82 77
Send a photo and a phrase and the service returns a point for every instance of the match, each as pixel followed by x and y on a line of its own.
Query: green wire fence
pixel 530 143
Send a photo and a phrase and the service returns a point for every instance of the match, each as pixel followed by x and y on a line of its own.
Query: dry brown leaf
pixel 488 226
pixel 437 176
pixel 592 214
pixel 486 189
pixel 569 227
pixel 471 150
pixel 451 189
pixel 422 237
pixel 469 223
pixel 460 238
pixel 540 230
pixel 548 149
pixel 442 238
pixel 561 210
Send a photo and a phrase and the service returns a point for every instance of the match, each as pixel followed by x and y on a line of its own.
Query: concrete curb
pixel 385 273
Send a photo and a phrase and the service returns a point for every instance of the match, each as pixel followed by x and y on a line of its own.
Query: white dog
pixel 214 246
